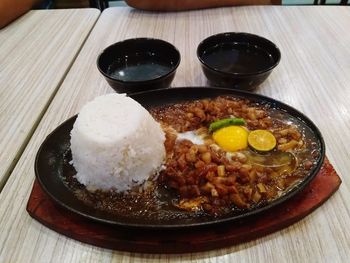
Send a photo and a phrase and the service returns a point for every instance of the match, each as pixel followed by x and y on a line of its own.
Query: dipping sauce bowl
pixel 139 64
pixel 237 60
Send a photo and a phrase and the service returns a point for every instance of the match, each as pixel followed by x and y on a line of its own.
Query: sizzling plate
pixel 49 163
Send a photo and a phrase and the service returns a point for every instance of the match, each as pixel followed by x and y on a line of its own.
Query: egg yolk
pixel 231 138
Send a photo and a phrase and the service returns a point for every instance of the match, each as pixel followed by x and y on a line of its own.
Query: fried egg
pixel 192 136
pixel 229 139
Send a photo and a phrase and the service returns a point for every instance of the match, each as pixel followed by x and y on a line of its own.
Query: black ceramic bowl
pixel 237 60
pixel 139 64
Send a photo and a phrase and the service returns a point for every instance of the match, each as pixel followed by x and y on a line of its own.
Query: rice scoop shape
pixel 116 144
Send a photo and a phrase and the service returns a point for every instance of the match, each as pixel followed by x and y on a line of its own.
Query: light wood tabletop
pixel 313 76
pixel 36 53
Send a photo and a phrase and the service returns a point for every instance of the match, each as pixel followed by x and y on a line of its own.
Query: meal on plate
pixel 205 157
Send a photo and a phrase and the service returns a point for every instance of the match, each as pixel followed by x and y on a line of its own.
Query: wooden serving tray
pixel 41 208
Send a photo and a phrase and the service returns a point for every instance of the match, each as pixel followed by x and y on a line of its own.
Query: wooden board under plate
pixel 74 226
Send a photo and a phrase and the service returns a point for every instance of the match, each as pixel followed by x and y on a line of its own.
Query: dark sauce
pixel 238 58
pixel 151 201
pixel 139 67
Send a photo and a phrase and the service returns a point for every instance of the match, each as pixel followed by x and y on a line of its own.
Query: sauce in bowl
pixel 139 67
pixel 239 58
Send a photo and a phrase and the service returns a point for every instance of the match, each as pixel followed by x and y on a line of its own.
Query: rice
pixel 116 144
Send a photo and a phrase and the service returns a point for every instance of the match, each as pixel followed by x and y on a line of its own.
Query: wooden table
pixel 313 76
pixel 37 51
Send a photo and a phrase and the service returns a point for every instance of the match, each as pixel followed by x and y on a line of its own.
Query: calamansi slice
pixel 262 140
pixel 231 138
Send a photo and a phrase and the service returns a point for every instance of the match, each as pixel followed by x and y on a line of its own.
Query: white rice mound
pixel 116 144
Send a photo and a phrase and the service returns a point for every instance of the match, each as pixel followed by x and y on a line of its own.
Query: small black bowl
pixel 139 64
pixel 237 60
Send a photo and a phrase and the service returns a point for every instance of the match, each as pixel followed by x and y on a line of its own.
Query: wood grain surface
pixel 36 52
pixel 313 76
